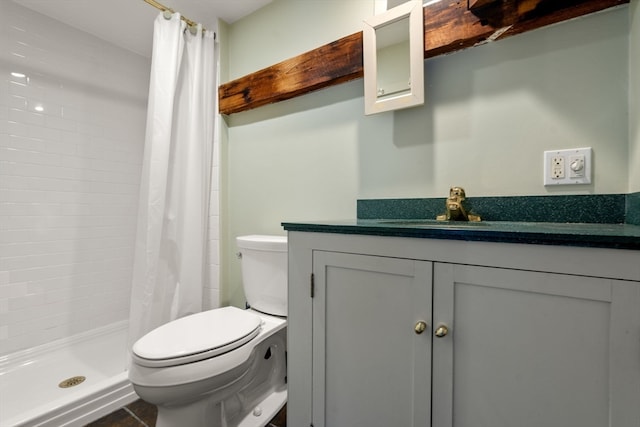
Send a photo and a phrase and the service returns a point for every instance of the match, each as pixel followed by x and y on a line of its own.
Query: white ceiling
pixel 129 23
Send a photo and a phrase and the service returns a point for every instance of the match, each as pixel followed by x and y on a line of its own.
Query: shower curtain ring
pixel 167 14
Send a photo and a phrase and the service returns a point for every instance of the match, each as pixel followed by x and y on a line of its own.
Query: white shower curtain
pixel 170 256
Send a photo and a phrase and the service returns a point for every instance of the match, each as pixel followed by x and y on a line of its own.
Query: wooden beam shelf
pixel 449 26
pixel 329 65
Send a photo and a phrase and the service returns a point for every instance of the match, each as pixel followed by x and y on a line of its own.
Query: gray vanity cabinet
pixel 532 349
pixel 370 366
pixel 506 343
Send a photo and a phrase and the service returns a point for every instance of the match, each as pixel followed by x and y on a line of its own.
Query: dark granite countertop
pixel 616 236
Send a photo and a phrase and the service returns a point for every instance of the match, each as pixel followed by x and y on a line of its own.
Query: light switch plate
pixel 567 167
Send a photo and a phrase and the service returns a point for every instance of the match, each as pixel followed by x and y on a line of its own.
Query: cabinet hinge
pixel 312 290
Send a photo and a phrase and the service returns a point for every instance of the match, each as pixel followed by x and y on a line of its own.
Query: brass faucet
pixel 455 208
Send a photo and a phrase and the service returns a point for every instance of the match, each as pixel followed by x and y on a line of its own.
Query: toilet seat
pixel 196 337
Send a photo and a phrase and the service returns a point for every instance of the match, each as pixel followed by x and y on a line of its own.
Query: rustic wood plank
pixel 449 26
pixel 476 4
pixel 328 65
pixel 541 15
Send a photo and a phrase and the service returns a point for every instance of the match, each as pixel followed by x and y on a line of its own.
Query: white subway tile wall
pixel 72 120
pixel 211 289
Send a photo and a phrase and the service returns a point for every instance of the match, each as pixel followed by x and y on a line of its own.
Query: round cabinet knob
pixel 420 327
pixel 441 331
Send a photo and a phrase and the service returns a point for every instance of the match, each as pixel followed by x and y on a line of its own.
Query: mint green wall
pixel 296 159
pixel 490 113
pixel 286 28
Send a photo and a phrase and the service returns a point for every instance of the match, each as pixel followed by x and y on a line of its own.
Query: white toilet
pixel 224 367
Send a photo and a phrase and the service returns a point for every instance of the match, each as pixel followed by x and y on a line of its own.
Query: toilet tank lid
pixel 262 242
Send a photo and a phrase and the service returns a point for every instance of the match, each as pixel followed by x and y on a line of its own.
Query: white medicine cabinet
pixel 393 54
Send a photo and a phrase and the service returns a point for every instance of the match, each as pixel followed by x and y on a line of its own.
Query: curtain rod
pixel 164 8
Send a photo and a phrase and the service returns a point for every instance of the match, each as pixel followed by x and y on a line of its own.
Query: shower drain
pixel 72 382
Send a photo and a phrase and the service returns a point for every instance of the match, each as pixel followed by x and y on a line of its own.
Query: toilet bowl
pixel 223 367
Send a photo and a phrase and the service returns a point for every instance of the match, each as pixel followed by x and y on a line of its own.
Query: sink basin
pixel 432 223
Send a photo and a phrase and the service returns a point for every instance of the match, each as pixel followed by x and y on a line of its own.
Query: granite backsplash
pixel 592 208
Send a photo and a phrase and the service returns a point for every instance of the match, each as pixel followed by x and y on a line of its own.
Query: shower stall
pixel 72 123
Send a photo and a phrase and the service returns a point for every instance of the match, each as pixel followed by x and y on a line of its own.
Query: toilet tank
pixel 264 272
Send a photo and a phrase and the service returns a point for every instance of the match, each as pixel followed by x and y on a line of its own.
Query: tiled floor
pixel 143 414
pixel 136 414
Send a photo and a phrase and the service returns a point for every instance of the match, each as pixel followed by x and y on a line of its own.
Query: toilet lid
pixel 197 337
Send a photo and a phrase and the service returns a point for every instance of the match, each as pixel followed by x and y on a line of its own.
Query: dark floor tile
pixel 280 420
pixel 147 412
pixel 119 418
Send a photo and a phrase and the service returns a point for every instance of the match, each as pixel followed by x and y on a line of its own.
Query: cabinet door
pixel 370 367
pixel 534 349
